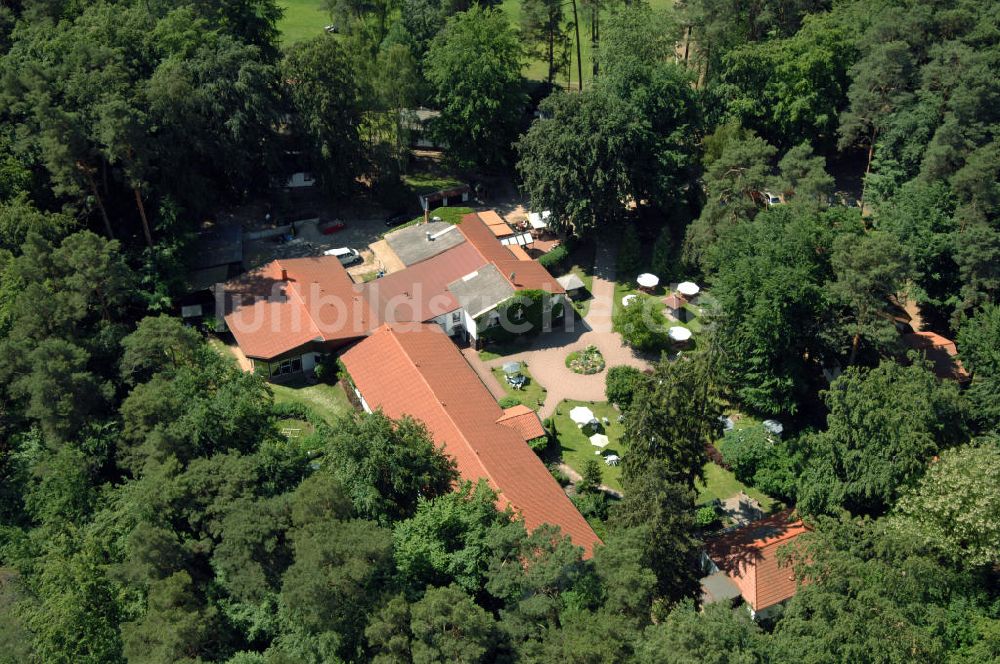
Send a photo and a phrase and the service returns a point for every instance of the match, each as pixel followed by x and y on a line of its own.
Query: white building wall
pixel 470 324
pixel 448 323
pixel 364 404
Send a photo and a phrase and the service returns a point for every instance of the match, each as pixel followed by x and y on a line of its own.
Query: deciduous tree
pixel 474 68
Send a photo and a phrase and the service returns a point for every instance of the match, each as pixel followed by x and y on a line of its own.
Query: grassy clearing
pixel 428 183
pixel 302 20
pixel 575 446
pixel 294 428
pixel 536 68
pixel 722 484
pixel 533 394
pixel 324 401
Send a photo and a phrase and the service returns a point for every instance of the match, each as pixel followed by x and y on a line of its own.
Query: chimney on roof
pixel 284 274
pixel 512 275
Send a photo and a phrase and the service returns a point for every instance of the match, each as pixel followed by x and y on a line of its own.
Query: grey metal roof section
pixel 570 281
pixel 411 245
pixel 481 290
pixel 718 587
pixel 221 245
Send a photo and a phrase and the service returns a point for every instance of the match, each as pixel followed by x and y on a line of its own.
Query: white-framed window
pixel 287 366
pixel 456 317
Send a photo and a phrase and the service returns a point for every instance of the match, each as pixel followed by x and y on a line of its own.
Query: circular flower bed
pixel 586 361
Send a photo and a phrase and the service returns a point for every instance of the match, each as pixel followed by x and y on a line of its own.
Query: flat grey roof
pixel 481 290
pixel 411 245
pixel 718 587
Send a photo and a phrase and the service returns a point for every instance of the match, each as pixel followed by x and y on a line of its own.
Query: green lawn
pixel 533 394
pixel 302 20
pixel 294 428
pixel 452 215
pixel 575 446
pixel 722 484
pixel 428 183
pixel 582 306
pixel 324 401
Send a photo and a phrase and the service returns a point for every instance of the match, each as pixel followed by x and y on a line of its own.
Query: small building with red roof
pixel 415 370
pixel 747 557
pixel 288 313
pixel 940 351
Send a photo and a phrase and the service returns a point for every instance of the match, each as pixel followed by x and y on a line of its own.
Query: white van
pixel 346 255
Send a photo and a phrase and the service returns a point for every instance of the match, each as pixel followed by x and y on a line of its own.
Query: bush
pixel 539 445
pixel 509 402
pixel 594 505
pixel 524 307
pixel 592 476
pixel 630 254
pixel 621 383
pixel 326 370
pixel 554 257
pixel 759 462
pixel 706 517
pixel 559 476
pixel 642 324
pixel 291 411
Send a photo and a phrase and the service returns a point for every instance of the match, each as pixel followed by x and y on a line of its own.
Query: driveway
pixel 546 356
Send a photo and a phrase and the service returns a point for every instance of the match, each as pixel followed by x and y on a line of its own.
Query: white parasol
pixel 647 280
pixel 628 299
pixel 582 415
pixel 678 333
pixel 599 440
pixel 688 288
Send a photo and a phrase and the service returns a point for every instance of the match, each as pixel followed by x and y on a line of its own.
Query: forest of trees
pixel 151 510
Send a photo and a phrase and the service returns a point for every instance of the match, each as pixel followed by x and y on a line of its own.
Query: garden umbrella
pixel 678 333
pixel 511 367
pixel 688 288
pixel 628 298
pixel 582 415
pixel 599 439
pixel 647 280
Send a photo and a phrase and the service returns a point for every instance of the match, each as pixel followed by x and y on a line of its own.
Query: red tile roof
pixel 674 301
pixel 290 302
pixel 748 555
pixel 526 273
pixel 523 275
pixel 523 420
pixel 940 351
pixel 414 369
pixel 420 292
pixel 482 238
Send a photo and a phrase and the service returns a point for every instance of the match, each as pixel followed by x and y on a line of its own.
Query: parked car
pixel 398 220
pixel 771 199
pixel 346 255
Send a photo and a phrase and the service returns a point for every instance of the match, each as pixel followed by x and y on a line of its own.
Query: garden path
pixel 546 356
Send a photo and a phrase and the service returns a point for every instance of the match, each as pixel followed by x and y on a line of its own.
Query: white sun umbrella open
pixel 688 288
pixel 582 415
pixel 647 280
pixel 599 440
pixel 678 333
pixel 629 298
